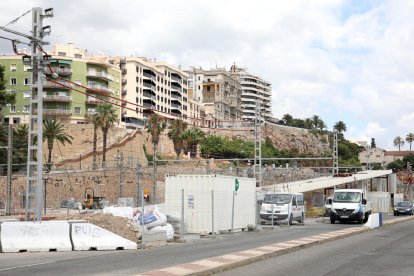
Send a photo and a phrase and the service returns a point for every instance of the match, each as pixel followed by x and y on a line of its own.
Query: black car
pixel 403 208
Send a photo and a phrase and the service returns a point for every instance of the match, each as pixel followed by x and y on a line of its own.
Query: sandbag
pixel 169 231
pixel 152 218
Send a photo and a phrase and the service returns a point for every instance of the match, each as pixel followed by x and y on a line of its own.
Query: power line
pixel 16 19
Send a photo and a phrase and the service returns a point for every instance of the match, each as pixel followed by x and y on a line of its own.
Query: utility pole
pixel 35 150
pixel 258 146
pixel 137 185
pixel 121 176
pixel 335 165
pixel 9 169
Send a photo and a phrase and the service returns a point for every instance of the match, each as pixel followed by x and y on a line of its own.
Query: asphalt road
pixel 131 262
pixel 384 251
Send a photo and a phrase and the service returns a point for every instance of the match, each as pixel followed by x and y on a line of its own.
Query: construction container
pixel 205 202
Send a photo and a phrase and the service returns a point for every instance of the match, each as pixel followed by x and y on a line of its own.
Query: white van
pixel 282 207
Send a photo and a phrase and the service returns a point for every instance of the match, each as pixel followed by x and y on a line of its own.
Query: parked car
pixel 403 208
pixel 328 206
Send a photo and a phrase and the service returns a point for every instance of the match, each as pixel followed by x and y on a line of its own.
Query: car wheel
pixel 332 220
pixel 302 219
pixel 366 218
pixel 290 219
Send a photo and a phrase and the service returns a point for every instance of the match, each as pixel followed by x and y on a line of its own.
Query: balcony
pixel 101 89
pixel 124 91
pixel 149 105
pixel 56 112
pixel 177 106
pixel 90 113
pixel 65 85
pixel 124 71
pixel 124 81
pixel 176 87
pixel 57 98
pixel 150 86
pixel 59 71
pixel 92 101
pixel 176 78
pixel 175 96
pixel 175 112
pixel 99 75
pixel 149 95
pixel 149 76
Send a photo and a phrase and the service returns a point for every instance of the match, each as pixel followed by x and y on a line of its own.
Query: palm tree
pixel 398 142
pixel 315 121
pixel 409 139
pixel 54 130
pixel 177 129
pixel 287 119
pixel 308 123
pixel 340 127
pixel 322 125
pixel 105 118
pixel 20 142
pixel 95 122
pixel 192 137
pixel 155 126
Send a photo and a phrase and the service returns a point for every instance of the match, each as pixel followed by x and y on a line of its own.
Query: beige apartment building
pixel 149 86
pixel 220 95
pixel 254 90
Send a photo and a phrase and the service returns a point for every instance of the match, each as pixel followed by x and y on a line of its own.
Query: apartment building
pixel 220 94
pixel 149 86
pixel 67 63
pixel 253 90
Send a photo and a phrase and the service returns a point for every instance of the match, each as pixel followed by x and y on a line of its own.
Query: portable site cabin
pixel 206 202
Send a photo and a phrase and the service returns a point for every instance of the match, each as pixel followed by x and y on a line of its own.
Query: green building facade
pixel 62 101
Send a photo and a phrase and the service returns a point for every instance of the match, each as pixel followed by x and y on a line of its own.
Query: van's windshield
pixel 354 197
pixel 277 198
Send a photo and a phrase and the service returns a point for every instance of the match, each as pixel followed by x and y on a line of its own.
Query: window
pixel 12 109
pixel 13 81
pixel 62 54
pixel 77 110
pixel 27 67
pixel 26 95
pixel 26 109
pixel 27 81
pixel 13 67
pixel 78 56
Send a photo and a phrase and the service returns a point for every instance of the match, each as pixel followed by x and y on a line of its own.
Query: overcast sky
pixel 342 60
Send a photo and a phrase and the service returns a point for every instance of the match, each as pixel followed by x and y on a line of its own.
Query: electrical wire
pixel 16 19
pixel 107 101
pixel 141 106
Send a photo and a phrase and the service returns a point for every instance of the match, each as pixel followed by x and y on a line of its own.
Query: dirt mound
pixel 118 225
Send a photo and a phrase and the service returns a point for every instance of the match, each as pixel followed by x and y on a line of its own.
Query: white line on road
pixel 29 265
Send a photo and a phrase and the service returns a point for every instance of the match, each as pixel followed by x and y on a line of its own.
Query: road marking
pixel 29 265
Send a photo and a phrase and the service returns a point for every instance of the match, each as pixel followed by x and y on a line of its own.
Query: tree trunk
pixel 49 157
pixel 95 138
pixel 154 165
pixel 104 134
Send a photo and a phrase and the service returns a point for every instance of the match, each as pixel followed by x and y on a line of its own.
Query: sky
pixel 341 60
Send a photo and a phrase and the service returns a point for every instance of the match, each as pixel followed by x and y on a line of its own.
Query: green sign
pixel 236 185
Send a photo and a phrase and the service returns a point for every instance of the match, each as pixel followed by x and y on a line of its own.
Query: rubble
pixel 121 226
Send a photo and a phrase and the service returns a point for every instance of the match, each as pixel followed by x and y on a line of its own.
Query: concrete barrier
pixel 86 236
pixel 373 221
pixel 34 236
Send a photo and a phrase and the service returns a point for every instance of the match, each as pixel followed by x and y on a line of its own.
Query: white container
pixel 205 193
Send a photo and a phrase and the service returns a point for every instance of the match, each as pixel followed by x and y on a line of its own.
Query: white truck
pixel 278 207
pixel 350 205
